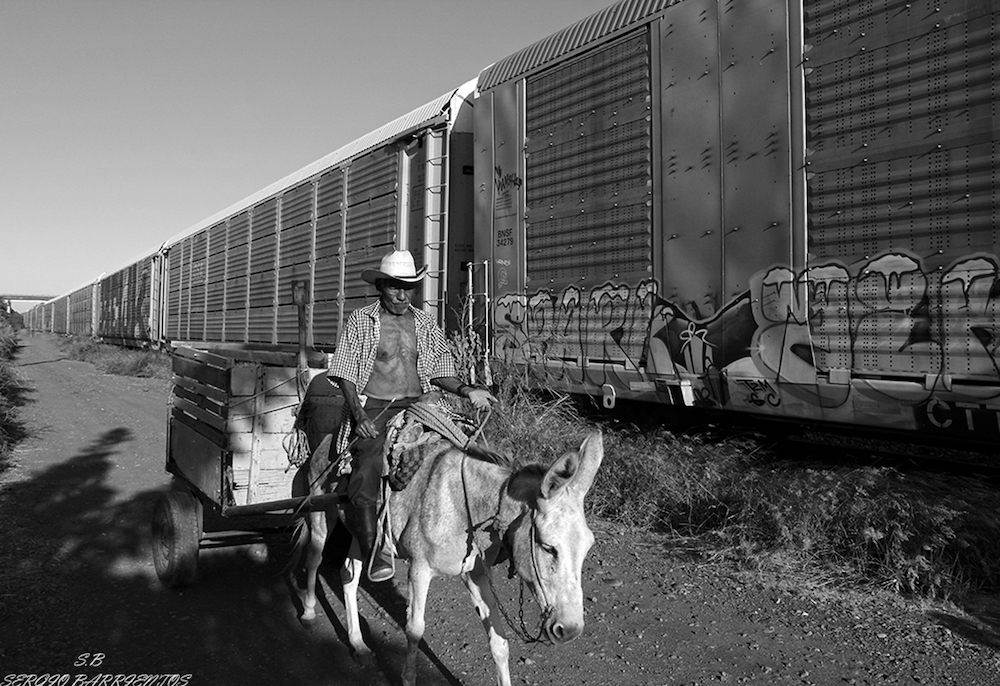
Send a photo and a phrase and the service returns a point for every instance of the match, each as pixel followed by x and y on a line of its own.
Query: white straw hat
pixel 396 266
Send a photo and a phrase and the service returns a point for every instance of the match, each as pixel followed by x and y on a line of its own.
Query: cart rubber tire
pixel 177 528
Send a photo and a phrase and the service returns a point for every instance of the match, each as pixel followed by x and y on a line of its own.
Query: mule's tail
pixel 300 538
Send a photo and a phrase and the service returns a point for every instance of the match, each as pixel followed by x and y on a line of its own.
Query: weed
pixel 118 361
pixel 926 534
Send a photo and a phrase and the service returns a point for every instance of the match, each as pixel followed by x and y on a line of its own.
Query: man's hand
pixel 480 398
pixel 365 428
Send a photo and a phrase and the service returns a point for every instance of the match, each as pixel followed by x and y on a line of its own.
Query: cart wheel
pixel 177 526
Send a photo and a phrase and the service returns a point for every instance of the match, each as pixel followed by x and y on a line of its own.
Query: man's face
pixel 395 299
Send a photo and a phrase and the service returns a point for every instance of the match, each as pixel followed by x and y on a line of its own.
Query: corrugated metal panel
pixel 422 116
pixel 330 193
pixel 237 278
pixel 326 287
pixel 580 34
pixel 174 274
pixel 295 247
pixel 263 236
pixel 588 175
pixel 81 303
pixel 903 179
pixel 217 253
pixel 370 234
pixel 60 315
pixel 260 325
pixel 125 303
pixel 372 176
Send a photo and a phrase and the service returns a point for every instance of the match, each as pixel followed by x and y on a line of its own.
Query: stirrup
pixel 379 568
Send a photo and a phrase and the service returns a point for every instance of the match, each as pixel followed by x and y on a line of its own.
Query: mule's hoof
pixel 364 657
pixel 308 616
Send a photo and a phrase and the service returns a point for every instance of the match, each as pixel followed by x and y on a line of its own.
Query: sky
pixel 125 122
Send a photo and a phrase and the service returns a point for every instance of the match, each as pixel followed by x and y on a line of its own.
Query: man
pixel 389 354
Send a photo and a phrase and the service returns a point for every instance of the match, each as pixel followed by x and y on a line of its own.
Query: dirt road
pixel 78 595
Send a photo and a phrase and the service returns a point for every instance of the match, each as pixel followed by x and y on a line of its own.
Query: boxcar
pixel 407 184
pixel 770 207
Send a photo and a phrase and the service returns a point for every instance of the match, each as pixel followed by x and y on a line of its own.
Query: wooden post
pixel 300 296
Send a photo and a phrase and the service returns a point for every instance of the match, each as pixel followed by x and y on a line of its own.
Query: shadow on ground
pixel 75 579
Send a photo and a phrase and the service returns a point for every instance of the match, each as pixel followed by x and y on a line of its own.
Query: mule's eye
pixel 549 550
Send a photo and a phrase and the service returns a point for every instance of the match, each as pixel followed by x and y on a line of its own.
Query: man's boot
pixel 376 560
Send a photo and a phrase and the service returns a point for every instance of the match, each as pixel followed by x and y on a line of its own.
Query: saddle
pixel 425 429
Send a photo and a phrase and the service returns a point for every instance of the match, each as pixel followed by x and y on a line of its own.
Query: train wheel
pixel 177 528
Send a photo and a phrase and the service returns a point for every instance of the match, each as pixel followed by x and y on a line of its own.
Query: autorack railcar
pixel 776 208
pixel 785 208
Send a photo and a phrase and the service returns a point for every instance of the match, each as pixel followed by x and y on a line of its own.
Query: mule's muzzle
pixel 559 632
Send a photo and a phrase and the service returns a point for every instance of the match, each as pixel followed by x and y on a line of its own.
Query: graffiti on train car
pixel 818 343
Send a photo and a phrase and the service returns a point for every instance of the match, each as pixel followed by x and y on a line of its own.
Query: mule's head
pixel 550 541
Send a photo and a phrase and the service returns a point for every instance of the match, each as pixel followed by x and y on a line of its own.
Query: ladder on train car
pixel 436 222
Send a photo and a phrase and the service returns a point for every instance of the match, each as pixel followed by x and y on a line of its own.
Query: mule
pixel 454 518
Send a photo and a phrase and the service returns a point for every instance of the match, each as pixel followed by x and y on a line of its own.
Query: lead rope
pixel 521 629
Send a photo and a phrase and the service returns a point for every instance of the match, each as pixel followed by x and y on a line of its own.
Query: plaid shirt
pixel 354 357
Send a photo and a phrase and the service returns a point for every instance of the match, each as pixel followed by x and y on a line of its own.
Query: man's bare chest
pixel 397 339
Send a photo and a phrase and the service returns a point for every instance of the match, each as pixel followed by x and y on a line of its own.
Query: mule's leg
pixel 314 556
pixel 350 577
pixel 478 583
pixel 419 580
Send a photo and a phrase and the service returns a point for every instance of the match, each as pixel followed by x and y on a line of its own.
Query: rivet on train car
pixel 862 34
pixel 937 130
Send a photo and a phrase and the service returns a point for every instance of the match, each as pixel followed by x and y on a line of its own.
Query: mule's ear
pixel 591 455
pixel 523 484
pixel 559 474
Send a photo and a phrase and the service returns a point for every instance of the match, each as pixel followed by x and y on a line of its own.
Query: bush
pixel 119 361
pixel 11 388
pixel 927 534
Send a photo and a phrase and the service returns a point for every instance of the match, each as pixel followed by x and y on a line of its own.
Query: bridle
pixel 520 629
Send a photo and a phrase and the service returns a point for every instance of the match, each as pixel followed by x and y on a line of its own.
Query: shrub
pixel 929 534
pixel 119 361
pixel 11 388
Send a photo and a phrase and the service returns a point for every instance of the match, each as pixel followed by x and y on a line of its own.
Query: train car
pixel 780 208
pixel 81 317
pixel 229 280
pixel 60 315
pixel 127 303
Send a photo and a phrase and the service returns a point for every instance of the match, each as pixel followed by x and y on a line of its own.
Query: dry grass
pixel 11 391
pixel 112 359
pixel 928 534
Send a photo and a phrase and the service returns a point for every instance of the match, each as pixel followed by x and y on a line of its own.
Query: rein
pixel 521 628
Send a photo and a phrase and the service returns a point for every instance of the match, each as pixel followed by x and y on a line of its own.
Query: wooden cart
pixel 232 431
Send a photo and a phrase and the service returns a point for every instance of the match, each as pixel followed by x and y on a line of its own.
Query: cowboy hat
pixel 396 266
